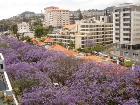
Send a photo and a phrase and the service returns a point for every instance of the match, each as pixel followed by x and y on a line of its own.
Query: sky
pixel 9 8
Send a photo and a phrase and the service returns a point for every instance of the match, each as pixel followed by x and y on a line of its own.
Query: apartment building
pixel 98 32
pixel 23 27
pixel 56 17
pixel 101 31
pixel 5 85
pixel 92 13
pixel 126 26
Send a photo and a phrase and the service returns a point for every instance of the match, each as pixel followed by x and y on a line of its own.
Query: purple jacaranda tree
pixel 33 71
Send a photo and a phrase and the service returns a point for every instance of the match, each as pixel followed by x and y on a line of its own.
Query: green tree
pixel 61 44
pixel 128 63
pixel 39 31
pixel 98 48
pixel 80 14
pixel 80 50
pixel 14 29
pixel 71 45
pixel 26 38
pixel 50 29
pixel 21 85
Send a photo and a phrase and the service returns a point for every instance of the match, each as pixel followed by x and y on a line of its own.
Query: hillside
pixel 26 16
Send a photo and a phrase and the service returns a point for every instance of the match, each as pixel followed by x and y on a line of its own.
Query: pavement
pixel 128 54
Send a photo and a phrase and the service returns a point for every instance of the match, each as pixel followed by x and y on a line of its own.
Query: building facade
pixel 126 26
pixel 101 31
pixel 5 85
pixel 56 17
pixel 98 32
pixel 23 27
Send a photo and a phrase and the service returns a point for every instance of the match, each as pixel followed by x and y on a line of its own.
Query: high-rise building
pixel 126 26
pixel 56 17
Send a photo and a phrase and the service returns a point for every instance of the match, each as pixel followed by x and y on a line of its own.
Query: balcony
pixel 6 94
pixel 126 16
pixel 127 12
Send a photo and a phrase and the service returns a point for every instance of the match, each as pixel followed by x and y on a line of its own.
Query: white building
pixel 23 27
pixel 5 85
pixel 56 17
pixel 126 26
pixel 98 32
pixel 101 31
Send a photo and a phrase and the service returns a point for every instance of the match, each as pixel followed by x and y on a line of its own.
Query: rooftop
pixel 64 50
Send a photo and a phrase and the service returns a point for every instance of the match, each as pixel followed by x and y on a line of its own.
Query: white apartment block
pixel 126 26
pixel 5 85
pixel 100 31
pixel 56 17
pixel 97 31
pixel 23 27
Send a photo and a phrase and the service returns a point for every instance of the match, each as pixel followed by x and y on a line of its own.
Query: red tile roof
pixel 64 50
pixel 34 41
pixel 48 40
pixel 40 44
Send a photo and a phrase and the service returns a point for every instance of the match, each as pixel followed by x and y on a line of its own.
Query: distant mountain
pixel 26 16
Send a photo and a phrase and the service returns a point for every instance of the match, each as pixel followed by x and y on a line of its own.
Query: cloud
pixel 10 8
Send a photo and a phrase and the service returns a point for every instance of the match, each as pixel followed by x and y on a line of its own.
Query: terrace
pixel 6 95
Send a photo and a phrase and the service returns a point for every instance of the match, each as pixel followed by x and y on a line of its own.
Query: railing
pixel 9 91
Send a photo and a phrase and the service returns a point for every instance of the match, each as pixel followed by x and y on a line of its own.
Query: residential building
pixel 99 32
pixel 72 19
pixel 92 13
pixel 23 27
pixel 75 14
pixel 56 17
pixel 5 85
pixel 109 13
pixel 126 27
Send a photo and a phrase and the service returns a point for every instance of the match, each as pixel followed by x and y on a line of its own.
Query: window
pixel 126 29
pixel 117 33
pixel 126 24
pixel 117 15
pixel 117 29
pixel 82 26
pixel 126 9
pixel 126 34
pixel 1 66
pixel 117 38
pixel 91 26
pixel 83 38
pixel 126 19
pixel 117 20
pixel 126 39
pixel 117 10
pixel 126 14
pixel 117 24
